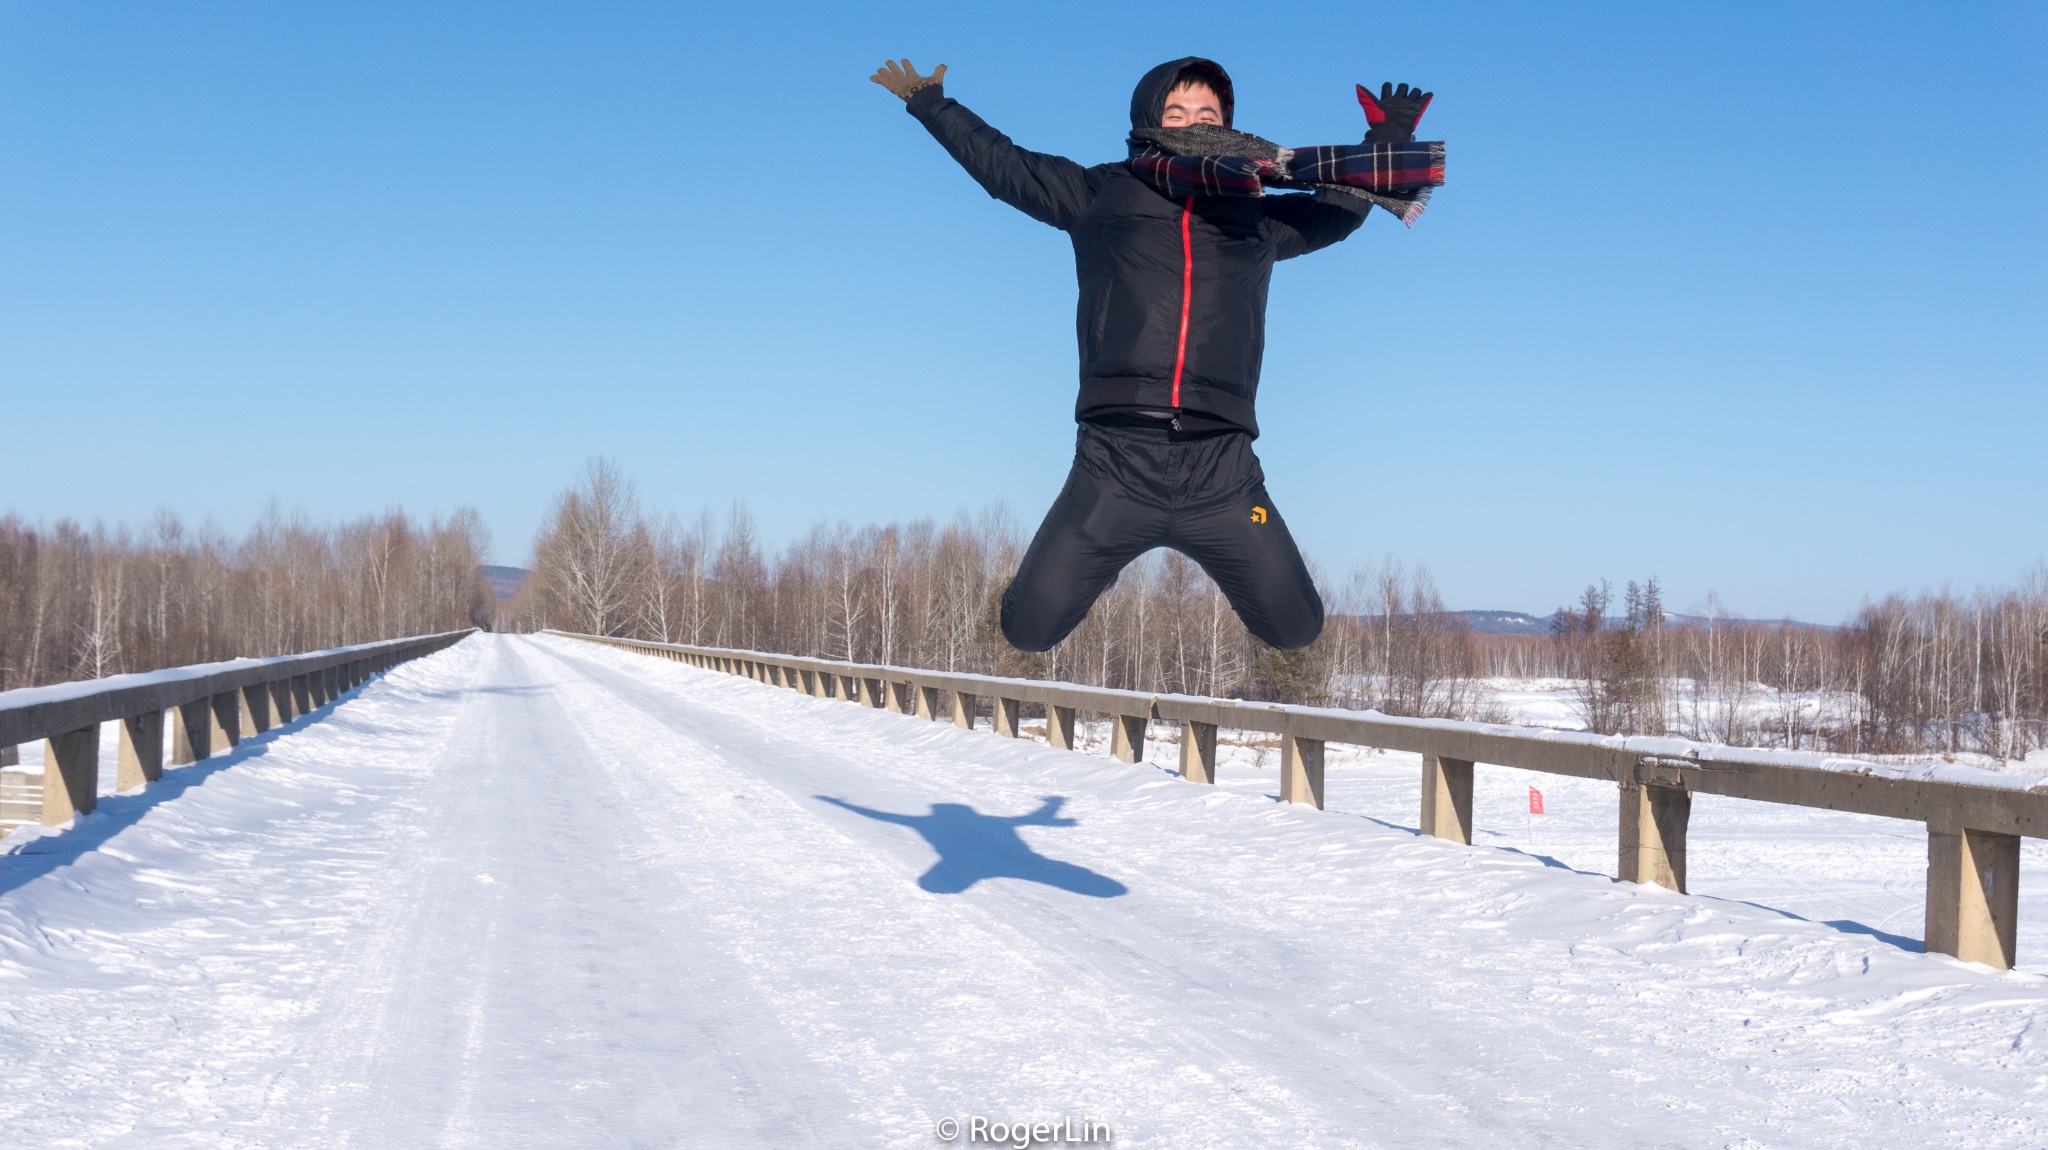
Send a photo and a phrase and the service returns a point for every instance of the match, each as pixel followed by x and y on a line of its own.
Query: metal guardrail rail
pixel 207 709
pixel 1975 818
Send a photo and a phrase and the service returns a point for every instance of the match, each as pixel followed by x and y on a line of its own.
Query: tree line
pixel 81 602
pixel 1937 672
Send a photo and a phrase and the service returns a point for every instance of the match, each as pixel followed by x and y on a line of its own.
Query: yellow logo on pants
pixel 1258 515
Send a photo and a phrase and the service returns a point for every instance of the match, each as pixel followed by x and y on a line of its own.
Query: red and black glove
pixel 1391 118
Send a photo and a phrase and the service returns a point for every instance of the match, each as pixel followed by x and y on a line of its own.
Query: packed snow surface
pixel 530 892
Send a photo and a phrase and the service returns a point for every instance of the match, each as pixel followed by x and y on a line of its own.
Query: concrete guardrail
pixel 210 707
pixel 1975 818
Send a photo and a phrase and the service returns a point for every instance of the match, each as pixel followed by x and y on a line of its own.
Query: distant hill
pixel 1523 623
pixel 505 580
pixel 1506 622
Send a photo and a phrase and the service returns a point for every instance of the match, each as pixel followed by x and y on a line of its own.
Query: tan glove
pixel 905 81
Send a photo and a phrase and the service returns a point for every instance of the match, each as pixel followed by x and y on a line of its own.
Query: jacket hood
pixel 1148 101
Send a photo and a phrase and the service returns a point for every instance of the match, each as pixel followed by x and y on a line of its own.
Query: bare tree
pixel 592 553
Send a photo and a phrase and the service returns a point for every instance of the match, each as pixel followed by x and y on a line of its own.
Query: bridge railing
pixel 1975 818
pixel 203 710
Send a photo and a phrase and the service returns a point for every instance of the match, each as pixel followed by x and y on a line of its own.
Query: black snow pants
pixel 1133 489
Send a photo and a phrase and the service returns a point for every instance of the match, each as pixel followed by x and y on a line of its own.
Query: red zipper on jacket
pixel 1187 292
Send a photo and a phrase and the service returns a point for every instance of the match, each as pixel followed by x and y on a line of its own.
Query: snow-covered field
pixel 1696 713
pixel 529 892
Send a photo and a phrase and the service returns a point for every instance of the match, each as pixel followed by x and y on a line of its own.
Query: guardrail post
pixel 1653 819
pixel 71 774
pixel 1008 711
pixel 928 703
pixel 1301 771
pixel 302 695
pixel 1198 752
pixel 1059 726
pixel 189 741
pixel 1447 798
pixel 1973 893
pixel 871 694
pixel 142 750
pixel 817 685
pixel 255 708
pixel 1127 737
pixel 899 697
pixel 282 703
pixel 964 706
pixel 224 723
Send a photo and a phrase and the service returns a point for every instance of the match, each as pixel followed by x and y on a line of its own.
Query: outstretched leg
pixel 1103 519
pixel 1233 530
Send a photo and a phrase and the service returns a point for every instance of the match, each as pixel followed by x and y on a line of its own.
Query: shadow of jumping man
pixel 973 846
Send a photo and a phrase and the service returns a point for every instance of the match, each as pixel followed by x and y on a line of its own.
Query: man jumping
pixel 1174 248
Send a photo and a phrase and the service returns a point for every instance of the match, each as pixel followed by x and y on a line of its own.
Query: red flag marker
pixel 1535 801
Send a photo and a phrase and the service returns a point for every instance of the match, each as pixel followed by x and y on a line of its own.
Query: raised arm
pixel 1050 189
pixel 1309 223
pixel 1313 221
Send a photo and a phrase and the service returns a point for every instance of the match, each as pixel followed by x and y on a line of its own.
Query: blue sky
pixel 1748 297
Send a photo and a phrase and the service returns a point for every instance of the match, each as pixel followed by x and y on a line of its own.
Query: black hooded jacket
pixel 1134 249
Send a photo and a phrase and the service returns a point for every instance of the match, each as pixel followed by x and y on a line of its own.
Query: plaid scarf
pixel 1210 161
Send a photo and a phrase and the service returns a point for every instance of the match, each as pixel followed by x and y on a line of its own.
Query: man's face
pixel 1192 104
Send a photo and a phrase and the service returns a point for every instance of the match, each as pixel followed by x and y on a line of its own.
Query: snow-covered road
pixel 528 892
